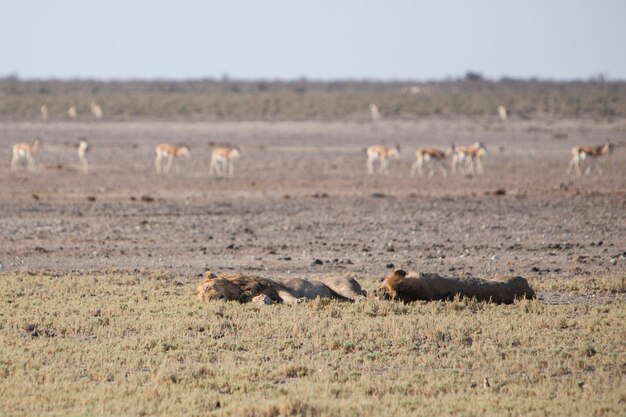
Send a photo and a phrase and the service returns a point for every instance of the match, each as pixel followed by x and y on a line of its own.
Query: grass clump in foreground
pixel 123 345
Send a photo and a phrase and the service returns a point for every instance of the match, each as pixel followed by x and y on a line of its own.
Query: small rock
pixel 389 266
pixel 317 262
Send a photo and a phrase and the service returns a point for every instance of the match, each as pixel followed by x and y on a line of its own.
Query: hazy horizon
pixel 278 40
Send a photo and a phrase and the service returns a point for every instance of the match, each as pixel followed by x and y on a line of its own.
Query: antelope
pixel 374 112
pixel 25 150
pixel 471 155
pixel 429 154
pixel 83 147
pixel 71 112
pixel 96 110
pixel 502 113
pixel 383 154
pixel 225 157
pixel 165 150
pixel 580 153
pixel 44 112
pixel 414 89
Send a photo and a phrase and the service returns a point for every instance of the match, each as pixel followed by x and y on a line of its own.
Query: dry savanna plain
pixel 98 271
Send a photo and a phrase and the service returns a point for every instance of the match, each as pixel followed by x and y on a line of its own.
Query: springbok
pixel 374 112
pixel 26 151
pixel 414 89
pixel 383 154
pixel 502 113
pixel 96 110
pixel 593 153
pixel 83 147
pixel 470 155
pixel 165 150
pixel 224 157
pixel 44 112
pixel 435 156
pixel 71 112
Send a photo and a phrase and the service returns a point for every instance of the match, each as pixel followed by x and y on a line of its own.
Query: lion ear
pixel 209 275
pixel 400 272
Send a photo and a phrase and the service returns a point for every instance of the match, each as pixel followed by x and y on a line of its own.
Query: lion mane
pixel 235 287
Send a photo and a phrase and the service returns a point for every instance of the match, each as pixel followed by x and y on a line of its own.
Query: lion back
pixel 345 287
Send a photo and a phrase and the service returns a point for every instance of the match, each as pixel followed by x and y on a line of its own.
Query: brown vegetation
pixel 302 100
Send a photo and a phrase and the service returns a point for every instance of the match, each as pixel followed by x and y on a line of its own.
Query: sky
pixel 318 40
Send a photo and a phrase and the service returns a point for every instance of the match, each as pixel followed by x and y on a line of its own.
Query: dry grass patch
pixel 614 283
pixel 124 345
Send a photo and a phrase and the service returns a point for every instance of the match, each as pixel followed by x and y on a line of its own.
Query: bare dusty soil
pixel 301 195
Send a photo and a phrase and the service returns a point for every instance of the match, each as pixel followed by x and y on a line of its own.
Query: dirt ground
pixel 301 193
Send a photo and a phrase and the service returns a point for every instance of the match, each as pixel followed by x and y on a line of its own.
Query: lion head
pixel 234 287
pixel 214 288
pixel 389 285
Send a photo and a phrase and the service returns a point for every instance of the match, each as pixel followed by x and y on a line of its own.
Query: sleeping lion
pixel 246 288
pixel 430 287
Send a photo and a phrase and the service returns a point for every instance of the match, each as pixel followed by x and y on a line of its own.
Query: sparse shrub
pixel 210 100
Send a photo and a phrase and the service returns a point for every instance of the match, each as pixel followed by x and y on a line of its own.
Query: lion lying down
pixel 431 287
pixel 245 288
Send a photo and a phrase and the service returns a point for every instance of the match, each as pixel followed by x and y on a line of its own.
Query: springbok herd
pixel 222 158
pixel 464 159
pixel 72 111
pixel 468 158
